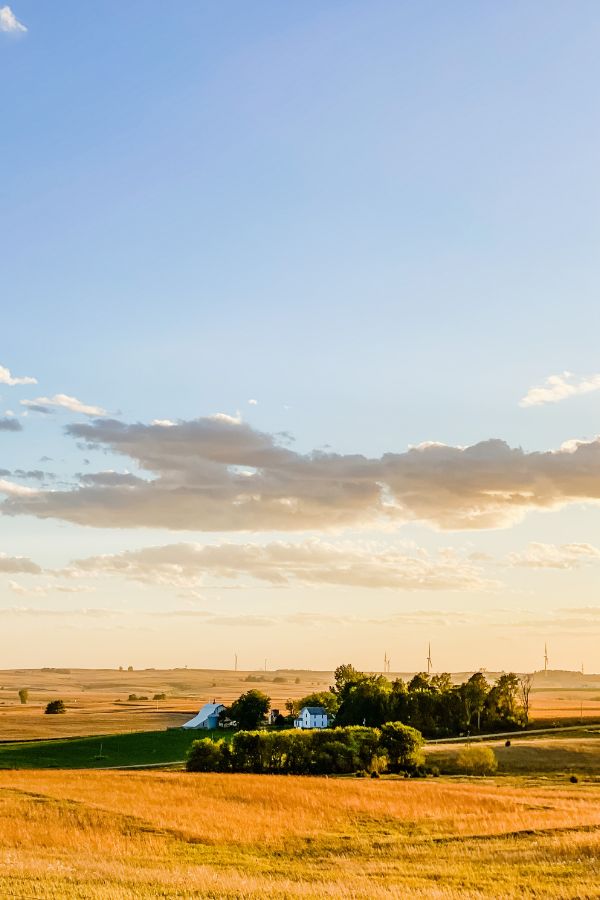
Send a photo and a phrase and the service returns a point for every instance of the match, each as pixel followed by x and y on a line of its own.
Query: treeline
pixel 393 747
pixel 430 703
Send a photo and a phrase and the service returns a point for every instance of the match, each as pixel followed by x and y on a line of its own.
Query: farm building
pixel 312 717
pixel 208 717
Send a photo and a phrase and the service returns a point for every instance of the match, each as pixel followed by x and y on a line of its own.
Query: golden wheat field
pixel 119 836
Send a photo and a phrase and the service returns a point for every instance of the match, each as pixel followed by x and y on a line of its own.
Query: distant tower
pixel 429 662
pixel 545 659
pixel 235 662
pixel 386 662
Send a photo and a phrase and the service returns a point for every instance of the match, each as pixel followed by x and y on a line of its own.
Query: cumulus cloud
pixel 9 424
pixel 43 404
pixel 187 565
pixel 18 564
pixel 560 387
pixel 219 474
pixel 555 556
pixel 9 22
pixel 5 374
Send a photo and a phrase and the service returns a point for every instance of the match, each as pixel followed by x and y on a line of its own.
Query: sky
pixel 299 334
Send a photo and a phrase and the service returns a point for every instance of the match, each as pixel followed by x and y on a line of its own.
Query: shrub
pixel 375 774
pixel 160 697
pixel 573 779
pixel 206 756
pixel 477 760
pixel 507 743
pixel 55 707
pixel 23 695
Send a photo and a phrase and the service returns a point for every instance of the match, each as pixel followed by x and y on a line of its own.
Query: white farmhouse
pixel 312 717
pixel 208 717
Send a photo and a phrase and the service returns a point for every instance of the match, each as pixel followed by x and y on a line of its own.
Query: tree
pixel 55 707
pixel 344 676
pixel 473 695
pixel 402 745
pixel 366 702
pixel 508 692
pixel 327 699
pixel 250 709
pixel 23 695
pixel 525 685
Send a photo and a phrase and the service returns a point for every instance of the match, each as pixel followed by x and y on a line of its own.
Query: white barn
pixel 312 717
pixel 208 717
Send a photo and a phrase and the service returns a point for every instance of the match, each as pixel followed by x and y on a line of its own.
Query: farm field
pixel 97 699
pixel 103 835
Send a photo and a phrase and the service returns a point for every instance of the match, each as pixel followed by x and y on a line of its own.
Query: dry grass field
pixel 107 835
pixel 569 753
pixel 91 695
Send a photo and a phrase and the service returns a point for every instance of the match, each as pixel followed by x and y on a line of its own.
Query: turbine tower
pixel 386 662
pixel 545 659
pixel 429 662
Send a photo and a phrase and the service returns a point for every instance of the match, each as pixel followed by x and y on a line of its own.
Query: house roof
pixel 211 709
pixel 315 710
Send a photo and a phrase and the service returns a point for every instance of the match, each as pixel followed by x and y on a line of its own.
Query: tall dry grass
pixel 104 835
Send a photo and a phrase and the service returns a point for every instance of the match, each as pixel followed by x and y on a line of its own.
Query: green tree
pixel 402 745
pixel 55 707
pixel 344 676
pixel 327 699
pixel 474 693
pixel 250 709
pixel 366 702
pixel 23 695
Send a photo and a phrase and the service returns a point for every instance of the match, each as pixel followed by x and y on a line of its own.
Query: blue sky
pixel 378 221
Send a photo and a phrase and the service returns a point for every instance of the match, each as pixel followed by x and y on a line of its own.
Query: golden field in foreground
pixel 122 835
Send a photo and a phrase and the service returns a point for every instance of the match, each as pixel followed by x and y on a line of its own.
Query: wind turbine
pixel 545 659
pixel 429 662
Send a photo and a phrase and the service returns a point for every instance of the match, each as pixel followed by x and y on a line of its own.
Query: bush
pixel 574 779
pixel 206 756
pixel 55 707
pixel 477 760
pixel 23 695
pixel 160 697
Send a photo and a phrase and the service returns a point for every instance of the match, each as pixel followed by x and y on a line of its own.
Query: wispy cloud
pixel 41 404
pixel 5 374
pixel 280 563
pixel 555 556
pixel 9 22
pixel 560 387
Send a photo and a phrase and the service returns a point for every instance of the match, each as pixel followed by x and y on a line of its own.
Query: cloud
pixel 5 375
pixel 187 565
pixel 42 404
pixel 9 23
pixel 253 402
pixel 219 474
pixel 15 490
pixel 553 556
pixel 560 387
pixel 18 564
pixel 10 425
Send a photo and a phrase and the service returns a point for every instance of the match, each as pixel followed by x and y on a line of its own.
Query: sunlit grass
pixel 113 835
